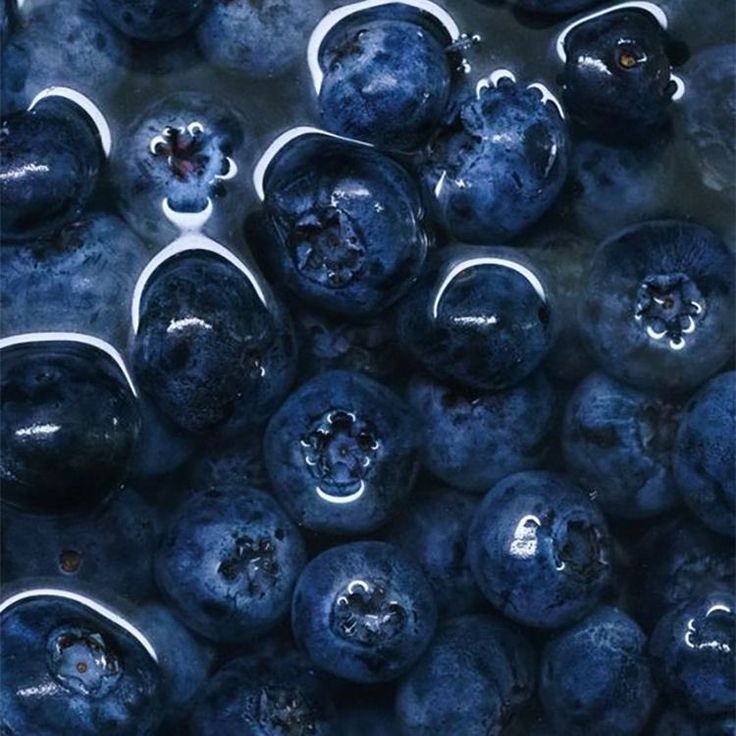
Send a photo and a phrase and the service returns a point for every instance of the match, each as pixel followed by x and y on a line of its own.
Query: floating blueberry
pixel 595 677
pixel 228 563
pixel 499 163
pixel 540 550
pixel 618 443
pixel 69 423
pixel 476 674
pixel 342 453
pixel 658 306
pixel 363 611
pixel 347 225
pixel 705 454
pixel 152 20
pixel 480 317
pixel 694 649
pixel 50 156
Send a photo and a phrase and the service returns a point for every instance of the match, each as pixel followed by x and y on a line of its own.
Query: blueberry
pixel 109 547
pixel 347 225
pixel 65 283
pixel 480 317
pixel 280 698
pixel 554 7
pixel 499 164
pixel 69 423
pixel 152 20
pixel 212 346
pixel 473 438
pixel 540 550
pixel 385 76
pixel 342 453
pixel 363 611
pixel 230 467
pixel 618 443
pixel 368 720
pixel 475 675
pixel 616 79
pixel 434 530
pixel 72 665
pixel 658 305
pixel 677 723
pixel 705 454
pixel 693 654
pixel 595 677
pixel 49 160
pixel 228 563
pixel 262 39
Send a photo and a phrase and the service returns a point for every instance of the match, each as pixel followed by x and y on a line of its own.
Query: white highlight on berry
pixel 547 96
pixel 330 498
pixel 37 429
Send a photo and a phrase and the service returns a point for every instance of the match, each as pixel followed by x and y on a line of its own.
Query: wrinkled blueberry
pixel 152 20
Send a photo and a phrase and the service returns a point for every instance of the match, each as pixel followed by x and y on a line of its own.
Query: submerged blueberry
pixel 347 225
pixel 363 611
pixel 500 162
pixel 152 20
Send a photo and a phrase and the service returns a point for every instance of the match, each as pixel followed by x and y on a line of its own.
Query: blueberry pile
pixel 367 368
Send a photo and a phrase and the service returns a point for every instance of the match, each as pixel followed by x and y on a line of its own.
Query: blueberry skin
pixel 676 723
pixel 69 669
pixel 616 80
pixel 595 678
pixel 110 547
pixel 658 305
pixel 257 40
pixel 478 671
pixel 249 698
pixel 498 165
pixel 65 284
pixel 230 467
pixel 618 442
pixel 554 7
pixel 540 550
pixel 228 564
pixel 473 439
pixel 348 236
pixel 692 649
pixel 231 357
pixel 479 317
pixel 710 106
pixel 705 454
pixel 342 453
pixel 387 78
pixel 434 530
pixel 50 157
pixel 152 20
pixel 363 611
pixel 367 721
pixel 68 423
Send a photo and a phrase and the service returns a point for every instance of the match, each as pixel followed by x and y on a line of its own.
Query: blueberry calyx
pixel 285 711
pixel 714 630
pixel 579 550
pixel 252 560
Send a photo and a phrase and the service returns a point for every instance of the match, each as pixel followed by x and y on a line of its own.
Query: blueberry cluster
pixel 367 368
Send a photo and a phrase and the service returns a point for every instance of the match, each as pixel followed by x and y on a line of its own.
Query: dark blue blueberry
pixel 385 76
pixel 618 443
pixel 694 654
pixel 473 438
pixel 677 723
pixel 480 317
pixel 595 678
pixel 477 673
pixel 616 79
pixel 347 225
pixel 434 530
pixel 49 160
pixel 7 18
pixel 342 453
pixel 152 20
pixel 228 563
pixel 363 611
pixel 555 7
pixel 499 164
pixel 73 48
pixel 71 665
pixel 213 347
pixel 109 547
pixel 231 467
pixel 68 422
pixel 257 39
pixel 368 720
pixel 658 305
pixel 705 454
pixel 66 283
pixel 249 698
pixel 540 550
